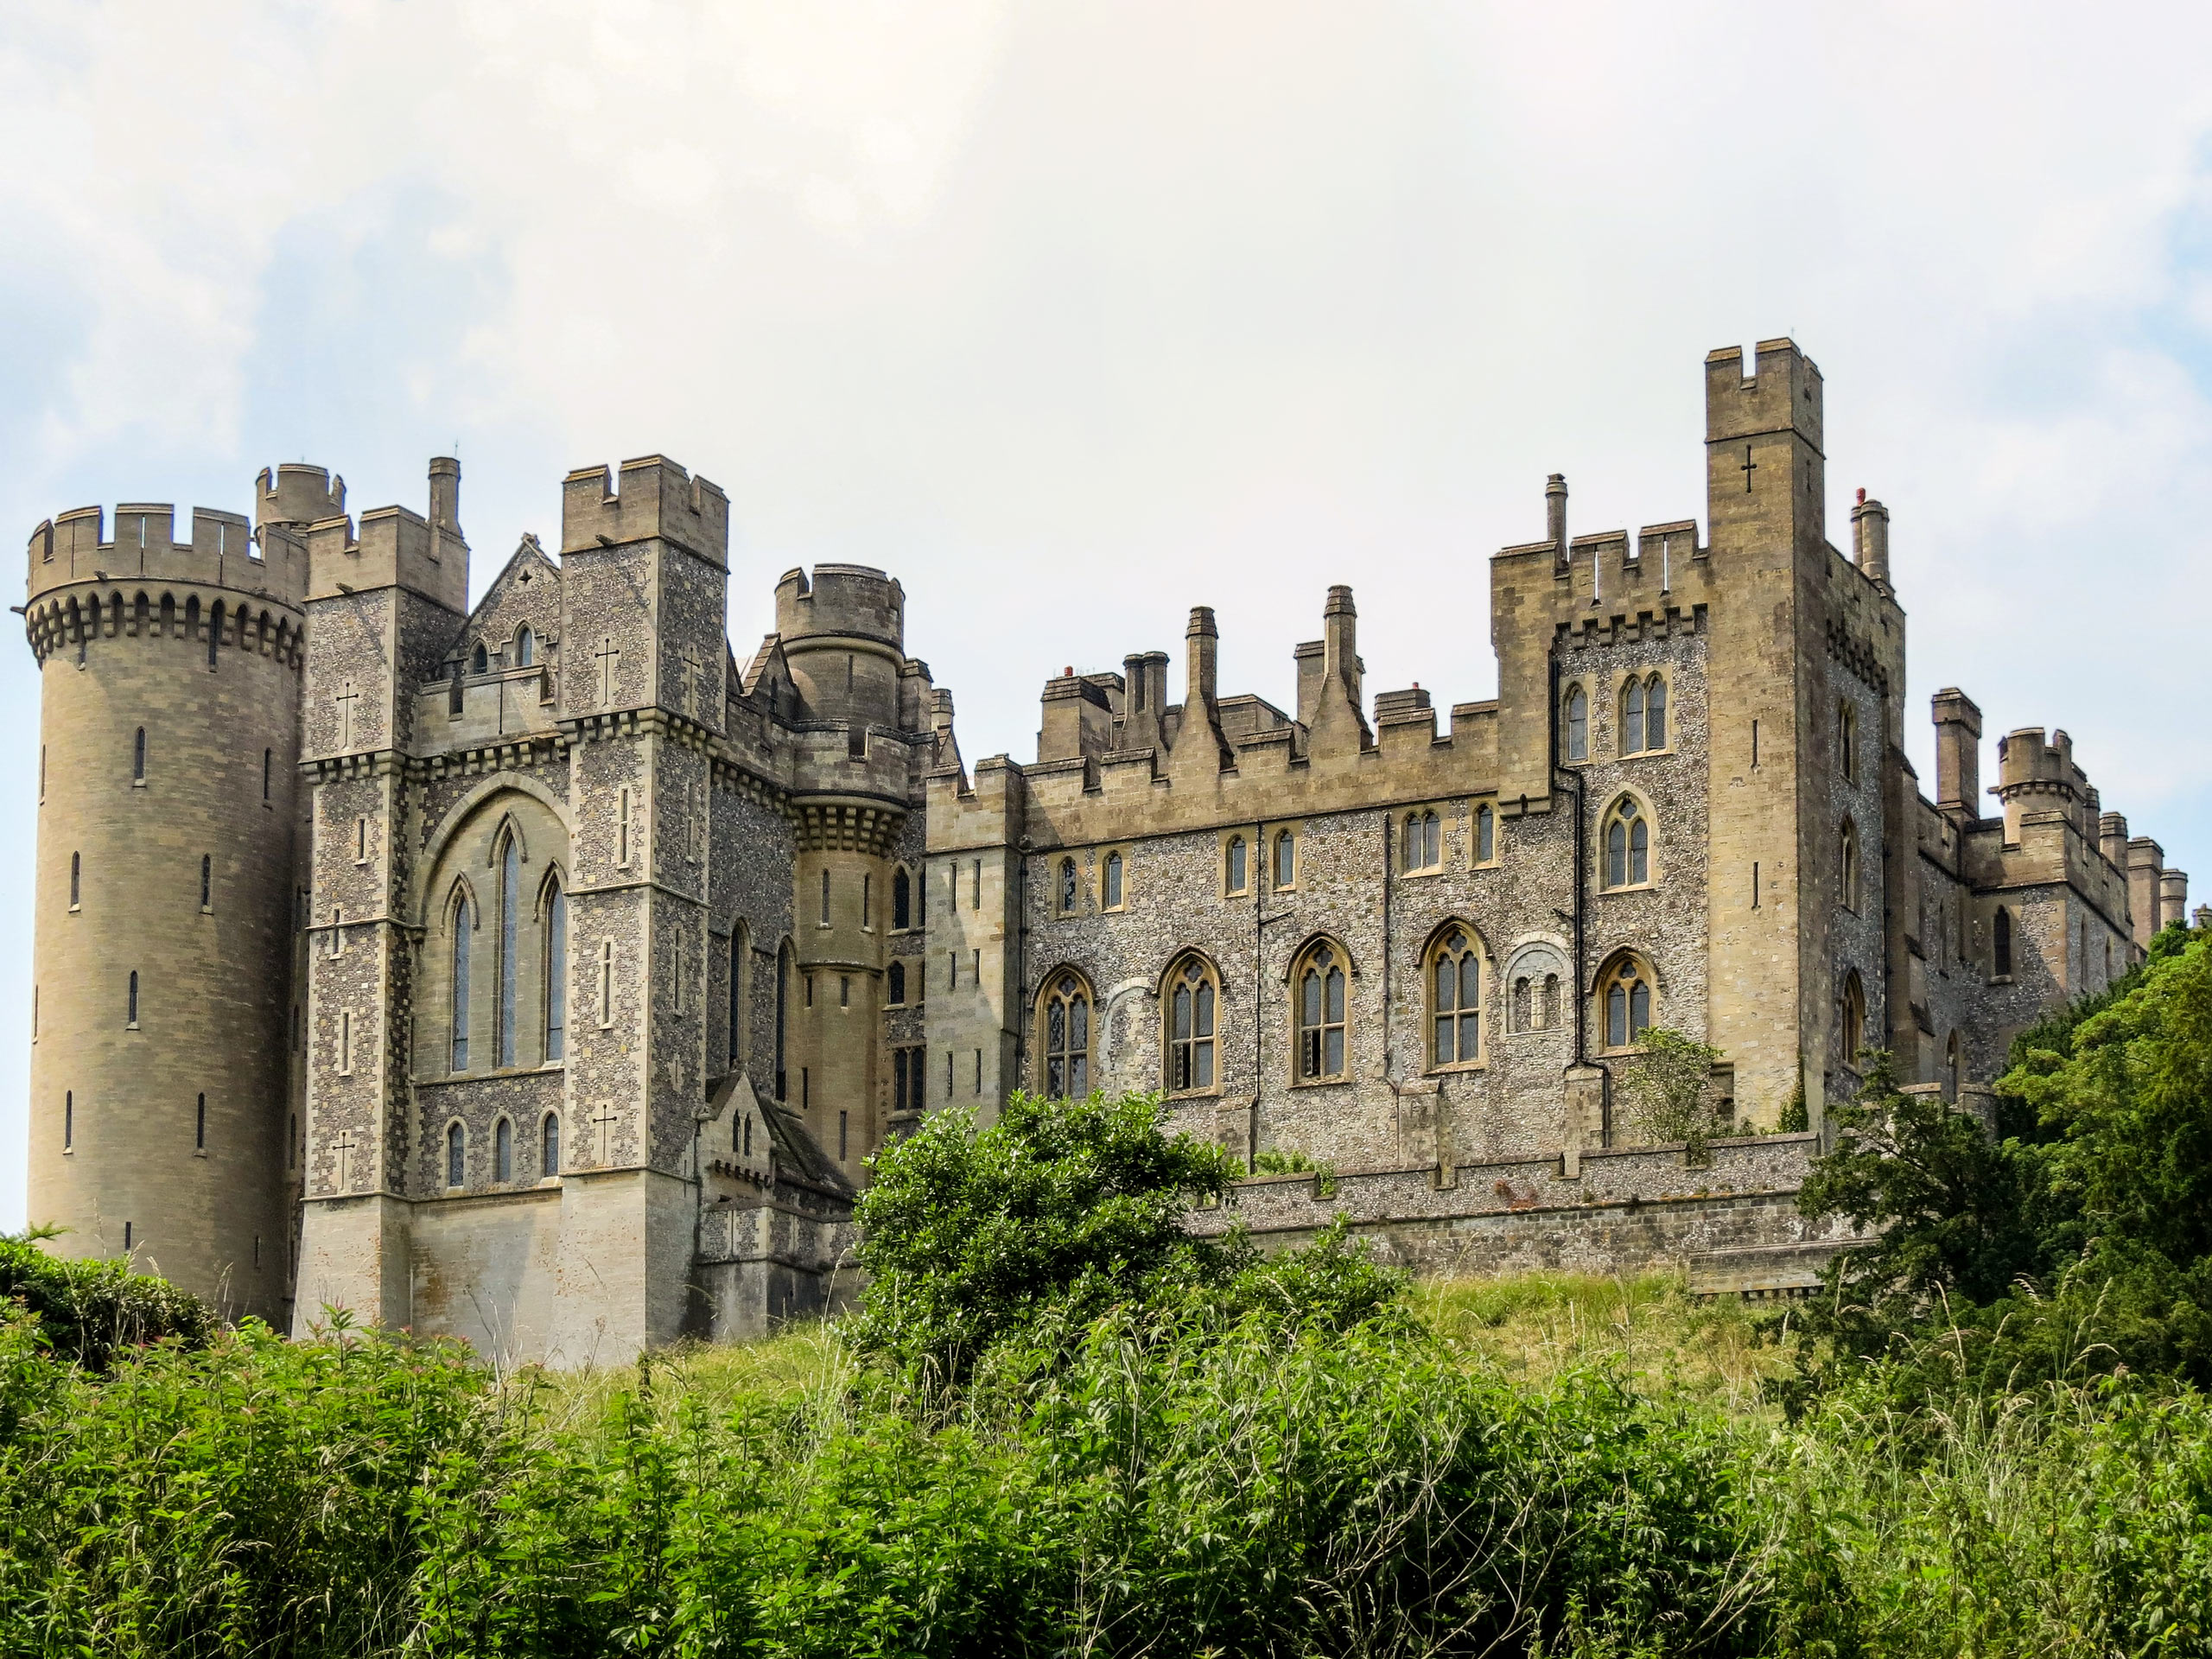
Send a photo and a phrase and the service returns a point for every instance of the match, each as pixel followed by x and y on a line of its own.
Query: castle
pixel 540 973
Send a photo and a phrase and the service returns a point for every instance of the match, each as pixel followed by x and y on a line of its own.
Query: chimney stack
pixel 2111 839
pixel 1202 642
pixel 1556 516
pixel 2173 898
pixel 1870 528
pixel 1958 753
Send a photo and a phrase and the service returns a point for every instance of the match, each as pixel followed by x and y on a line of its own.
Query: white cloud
pixel 1074 316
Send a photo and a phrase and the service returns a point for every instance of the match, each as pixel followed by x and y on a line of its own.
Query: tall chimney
pixel 2145 863
pixel 1556 516
pixel 1870 528
pixel 1958 753
pixel 1340 643
pixel 1201 642
pixel 2173 898
pixel 445 493
pixel 1145 674
pixel 2111 839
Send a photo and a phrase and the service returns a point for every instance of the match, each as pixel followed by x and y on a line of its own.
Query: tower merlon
pixel 656 497
pixel 1780 392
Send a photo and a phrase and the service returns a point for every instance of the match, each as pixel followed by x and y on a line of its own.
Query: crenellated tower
pixel 170 661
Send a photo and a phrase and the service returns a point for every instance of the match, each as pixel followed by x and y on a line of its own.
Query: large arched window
pixel 1423 848
pixel 1644 715
pixel 2001 939
pixel 1847 866
pixel 556 972
pixel 1064 1017
pixel 1628 844
pixel 1193 1001
pixel 464 927
pixel 902 900
pixel 1578 724
pixel 1455 999
pixel 1855 1018
pixel 510 866
pixel 1319 985
pixel 1624 1001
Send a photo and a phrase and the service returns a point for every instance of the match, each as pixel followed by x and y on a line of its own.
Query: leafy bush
pixel 90 1308
pixel 1667 1093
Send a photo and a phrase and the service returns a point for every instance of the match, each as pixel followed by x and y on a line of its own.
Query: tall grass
pixel 1544 1464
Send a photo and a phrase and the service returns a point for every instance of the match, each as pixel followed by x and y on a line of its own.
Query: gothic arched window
pixel 1628 844
pixel 1286 859
pixel 481 661
pixel 510 856
pixel 1524 1004
pixel 1855 1018
pixel 2001 939
pixel 783 1006
pixel 1632 717
pixel 1193 1000
pixel 1318 989
pixel 1424 842
pixel 1624 994
pixel 456 1155
pixel 1109 882
pixel 1065 1018
pixel 1485 835
pixel 1847 865
pixel 1847 738
pixel 1233 875
pixel 503 1151
pixel 895 982
pixel 525 647
pixel 556 972
pixel 463 926
pixel 1455 999
pixel 1655 713
pixel 1578 724
pixel 1067 895
pixel 549 1146
pixel 902 900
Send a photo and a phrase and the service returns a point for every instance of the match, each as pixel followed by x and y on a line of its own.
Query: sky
pixel 1073 316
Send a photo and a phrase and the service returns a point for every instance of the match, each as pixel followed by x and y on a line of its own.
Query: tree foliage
pixel 89 1308
pixel 1667 1090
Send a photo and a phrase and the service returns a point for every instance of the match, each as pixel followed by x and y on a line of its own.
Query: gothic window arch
pixel 479 660
pixel 1643 714
pixel 741 972
pixel 1063 1024
pixel 1113 880
pixel 1320 999
pixel 1190 1025
pixel 1069 887
pixel 462 927
pixel 1236 872
pixel 503 1151
pixel 1847 738
pixel 554 904
pixel 783 1011
pixel 1286 860
pixel 902 899
pixel 1486 847
pixel 1625 841
pixel 1626 1003
pixel 456 1154
pixel 1454 975
pixel 549 1146
pixel 2000 934
pixel 1422 842
pixel 1853 1018
pixel 525 647
pixel 508 862
pixel 1575 716
pixel 1847 866
pixel 895 985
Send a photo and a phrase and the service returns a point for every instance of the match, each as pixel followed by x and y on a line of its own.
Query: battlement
pixel 1779 391
pixel 396 548
pixel 656 497
pixel 221 549
pixel 846 601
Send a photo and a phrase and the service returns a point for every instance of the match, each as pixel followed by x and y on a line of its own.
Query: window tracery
pixel 1193 1003
pixel 1066 1022
pixel 1319 985
pixel 1628 844
pixel 1455 999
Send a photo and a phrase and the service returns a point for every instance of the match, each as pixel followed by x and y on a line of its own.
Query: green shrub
pixel 90 1308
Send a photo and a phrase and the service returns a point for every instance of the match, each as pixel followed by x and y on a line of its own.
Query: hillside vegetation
pixel 1062 1426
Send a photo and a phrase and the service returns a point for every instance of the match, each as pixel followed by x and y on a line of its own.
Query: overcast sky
pixel 1073 316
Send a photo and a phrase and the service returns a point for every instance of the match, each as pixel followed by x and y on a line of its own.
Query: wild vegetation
pixel 1060 1425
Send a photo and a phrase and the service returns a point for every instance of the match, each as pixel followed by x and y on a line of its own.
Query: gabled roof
pixel 516 592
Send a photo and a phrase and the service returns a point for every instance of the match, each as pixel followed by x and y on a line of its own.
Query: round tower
pixel 168 743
